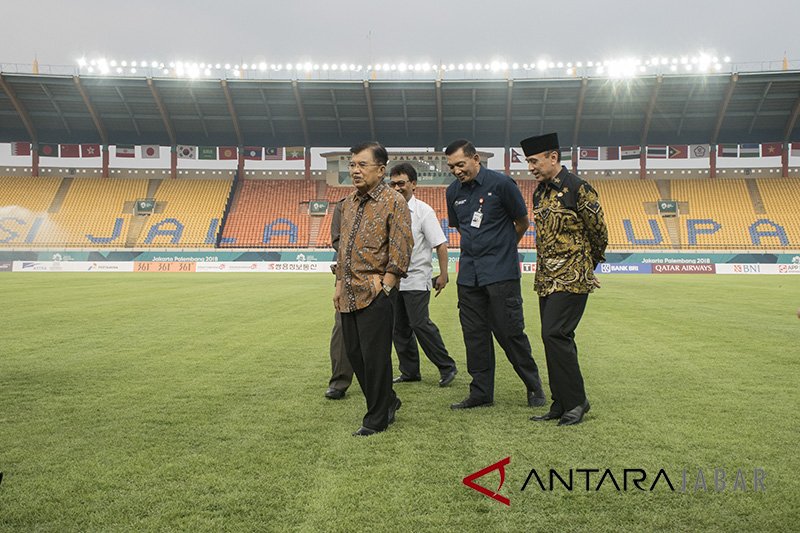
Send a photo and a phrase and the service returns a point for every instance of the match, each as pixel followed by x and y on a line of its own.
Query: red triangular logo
pixel 469 481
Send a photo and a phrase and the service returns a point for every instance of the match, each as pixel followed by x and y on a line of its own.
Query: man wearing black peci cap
pixel 487 209
pixel 571 238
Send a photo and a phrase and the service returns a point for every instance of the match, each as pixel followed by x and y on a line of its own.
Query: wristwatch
pixel 387 289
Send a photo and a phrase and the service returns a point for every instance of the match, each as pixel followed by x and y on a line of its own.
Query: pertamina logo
pixel 469 481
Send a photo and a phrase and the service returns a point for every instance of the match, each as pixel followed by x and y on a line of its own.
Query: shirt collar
pixel 477 179
pixel 412 203
pixel 374 193
pixel 555 183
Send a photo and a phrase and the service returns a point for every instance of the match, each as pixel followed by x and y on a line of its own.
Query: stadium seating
pixel 781 198
pixel 92 213
pixel 273 213
pixel 270 213
pixel 629 225
pixel 333 195
pixel 719 212
pixel 23 207
pixel 191 216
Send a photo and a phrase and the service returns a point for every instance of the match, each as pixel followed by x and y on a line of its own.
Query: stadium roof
pixel 675 109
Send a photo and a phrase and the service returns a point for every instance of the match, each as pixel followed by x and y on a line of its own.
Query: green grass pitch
pixel 145 402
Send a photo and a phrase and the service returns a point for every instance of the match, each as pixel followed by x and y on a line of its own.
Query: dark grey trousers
pixel 412 324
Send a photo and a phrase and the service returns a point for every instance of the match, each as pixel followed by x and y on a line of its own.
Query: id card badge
pixel 477 216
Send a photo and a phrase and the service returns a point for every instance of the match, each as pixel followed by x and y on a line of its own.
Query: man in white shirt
pixel 412 322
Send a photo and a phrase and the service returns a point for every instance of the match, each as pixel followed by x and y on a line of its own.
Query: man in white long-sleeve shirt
pixel 412 322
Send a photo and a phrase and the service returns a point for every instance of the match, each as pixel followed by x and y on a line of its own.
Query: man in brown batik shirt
pixel 374 253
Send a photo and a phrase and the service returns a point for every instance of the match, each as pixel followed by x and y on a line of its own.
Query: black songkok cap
pixel 539 144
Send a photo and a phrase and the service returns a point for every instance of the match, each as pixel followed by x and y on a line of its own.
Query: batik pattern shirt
pixel 375 239
pixel 571 235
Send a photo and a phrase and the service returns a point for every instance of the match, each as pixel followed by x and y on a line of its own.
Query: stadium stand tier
pixel 99 213
pixel 269 213
pixel 191 215
pixel 752 213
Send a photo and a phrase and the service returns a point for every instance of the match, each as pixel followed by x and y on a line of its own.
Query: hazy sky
pixel 60 31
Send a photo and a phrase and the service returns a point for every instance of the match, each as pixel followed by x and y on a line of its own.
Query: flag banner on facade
pixel 48 150
pixel 794 150
pixel 207 152
pixel 125 150
pixel 608 153
pixel 588 153
pixel 697 151
pixel 253 153
pixel 227 152
pixel 658 151
pixel 566 153
pixel 294 153
pixel 150 151
pixel 21 148
pixel 771 149
pixel 728 150
pixel 678 151
pixel 630 152
pixel 749 150
pixel 70 150
pixel 273 153
pixel 90 150
pixel 515 156
pixel 185 151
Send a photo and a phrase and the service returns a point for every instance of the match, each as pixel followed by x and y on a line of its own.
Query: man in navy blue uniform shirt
pixel 487 209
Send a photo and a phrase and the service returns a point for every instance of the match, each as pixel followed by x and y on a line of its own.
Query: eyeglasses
pixel 398 183
pixel 361 165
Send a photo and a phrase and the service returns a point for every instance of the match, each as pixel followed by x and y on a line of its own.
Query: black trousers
pixel 341 371
pixel 368 342
pixel 412 323
pixel 560 314
pixel 495 309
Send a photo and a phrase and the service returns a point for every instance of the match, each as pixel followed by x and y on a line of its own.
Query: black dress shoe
pixel 364 431
pixel 334 394
pixel 469 403
pixel 550 415
pixel 448 378
pixel 405 379
pixel 536 399
pixel 574 416
pixel 393 409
